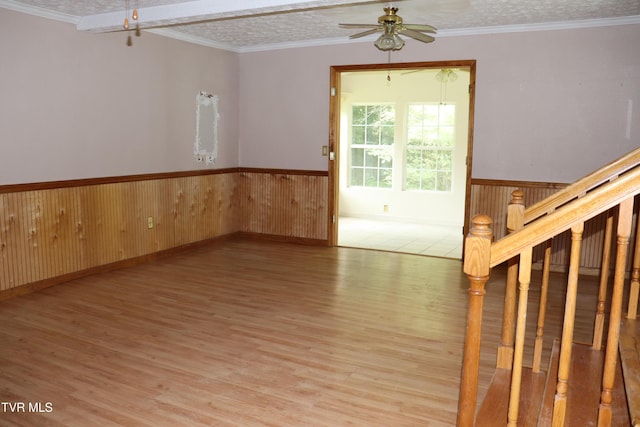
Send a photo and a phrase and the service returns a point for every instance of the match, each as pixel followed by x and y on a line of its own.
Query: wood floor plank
pixel 251 333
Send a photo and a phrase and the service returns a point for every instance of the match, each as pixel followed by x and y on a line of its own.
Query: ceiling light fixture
pixel 444 76
pixel 125 24
pixel 389 40
pixel 392 26
pixel 391 23
pixel 134 15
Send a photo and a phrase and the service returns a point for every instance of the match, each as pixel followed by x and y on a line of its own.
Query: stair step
pixel 494 408
pixel 538 392
pixel 583 394
pixel 630 361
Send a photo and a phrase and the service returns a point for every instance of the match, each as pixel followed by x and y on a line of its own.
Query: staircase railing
pixel 613 186
pixel 582 186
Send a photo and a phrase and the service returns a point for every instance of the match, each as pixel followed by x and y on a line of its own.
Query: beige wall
pixel 550 105
pixel 80 105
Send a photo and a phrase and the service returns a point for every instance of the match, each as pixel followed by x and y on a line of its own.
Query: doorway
pixel 399 186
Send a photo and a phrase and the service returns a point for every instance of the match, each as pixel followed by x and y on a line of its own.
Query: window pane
pixel 444 181
pixel 359 114
pixel 414 159
pixel 357 177
pixel 357 157
pixel 373 133
pixel 446 137
pixel 357 135
pixel 413 180
pixel 444 160
pixel 429 180
pixel 387 115
pixel 431 117
pixel 414 135
pixel 385 178
pixel 371 159
pixel 387 135
pixel 429 160
pixel 430 140
pixel 371 177
pixel 432 136
pixel 386 161
pixel 373 114
pixel 414 115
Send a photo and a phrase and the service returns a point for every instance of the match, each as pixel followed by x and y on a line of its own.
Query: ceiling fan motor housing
pixel 390 17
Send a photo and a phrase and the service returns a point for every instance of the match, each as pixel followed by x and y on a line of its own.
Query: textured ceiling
pixel 247 25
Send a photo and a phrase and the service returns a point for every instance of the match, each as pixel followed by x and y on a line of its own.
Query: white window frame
pixel 437 169
pixel 383 148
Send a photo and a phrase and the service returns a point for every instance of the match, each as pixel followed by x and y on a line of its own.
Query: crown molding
pixel 544 26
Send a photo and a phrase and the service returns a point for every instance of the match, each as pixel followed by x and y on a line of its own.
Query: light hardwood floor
pixel 249 333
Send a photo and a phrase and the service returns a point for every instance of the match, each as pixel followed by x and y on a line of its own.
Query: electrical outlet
pixel 325 150
pixel 150 222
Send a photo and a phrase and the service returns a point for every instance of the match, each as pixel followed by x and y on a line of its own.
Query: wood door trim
pixel 334 122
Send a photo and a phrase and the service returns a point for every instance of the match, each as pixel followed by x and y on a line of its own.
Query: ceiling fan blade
pixel 417 35
pixel 364 33
pixel 421 28
pixel 359 25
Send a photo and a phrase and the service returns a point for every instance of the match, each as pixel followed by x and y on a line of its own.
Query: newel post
pixel 477 260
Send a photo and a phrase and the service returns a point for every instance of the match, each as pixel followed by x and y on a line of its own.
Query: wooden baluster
pixel 476 267
pixel 625 214
pixel 634 292
pixel 560 403
pixel 505 348
pixel 515 221
pixel 516 375
pixel 598 328
pixel 542 309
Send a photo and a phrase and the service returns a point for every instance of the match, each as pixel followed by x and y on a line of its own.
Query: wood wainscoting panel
pixel 52 232
pixel 202 207
pixel 55 232
pixel 284 204
pixel 49 230
pixel 491 197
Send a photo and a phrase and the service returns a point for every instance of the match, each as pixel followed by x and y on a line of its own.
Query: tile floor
pixel 431 240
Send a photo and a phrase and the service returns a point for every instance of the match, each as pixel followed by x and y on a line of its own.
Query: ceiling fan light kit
pixel 389 41
pixel 392 26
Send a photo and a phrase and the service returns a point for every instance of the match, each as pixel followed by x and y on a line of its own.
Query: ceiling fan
pixel 391 26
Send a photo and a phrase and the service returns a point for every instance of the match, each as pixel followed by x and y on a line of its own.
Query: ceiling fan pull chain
pixel 389 66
